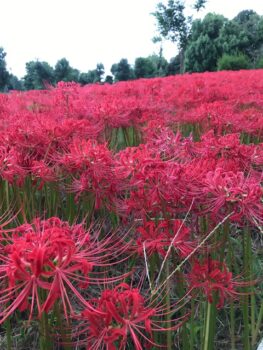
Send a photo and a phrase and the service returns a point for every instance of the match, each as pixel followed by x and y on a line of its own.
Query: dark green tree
pixel 100 71
pixel 233 38
pixel 14 83
pixel 160 64
pixel 38 75
pixel 174 25
pixel 251 24
pixel 109 79
pixel 122 71
pixel 204 47
pixel 173 66
pixel 4 75
pixel 92 76
pixel 144 68
pixel 237 62
pixel 64 72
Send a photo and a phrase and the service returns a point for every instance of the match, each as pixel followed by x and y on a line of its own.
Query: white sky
pixel 87 32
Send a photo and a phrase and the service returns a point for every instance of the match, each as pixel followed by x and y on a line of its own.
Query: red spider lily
pixel 120 316
pixel 154 187
pixel 156 238
pixel 92 167
pixel 229 191
pixel 10 165
pixel 213 276
pixel 44 261
pixel 41 170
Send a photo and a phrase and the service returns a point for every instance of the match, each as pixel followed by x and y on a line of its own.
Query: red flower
pixel 52 256
pixel 121 314
pixel 156 238
pixel 213 276
pixel 228 191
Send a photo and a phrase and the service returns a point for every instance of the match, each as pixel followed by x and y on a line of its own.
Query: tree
pixel 174 25
pixel 64 72
pixel 233 38
pixel 204 48
pixel 14 83
pixel 92 76
pixel 100 71
pixel 252 25
pixel 109 79
pixel 38 75
pixel 143 68
pixel 160 64
pixel 228 62
pixel 173 66
pixel 122 71
pixel 4 75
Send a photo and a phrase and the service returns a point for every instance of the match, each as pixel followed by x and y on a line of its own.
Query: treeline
pixel 213 43
pixel 40 74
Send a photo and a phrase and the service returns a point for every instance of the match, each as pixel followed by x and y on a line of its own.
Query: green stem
pixel 181 293
pixel 232 326
pixel 246 254
pixel 207 327
pixel 168 305
pixel 64 335
pixel 8 334
pixel 192 335
pixel 253 320
pixel 259 321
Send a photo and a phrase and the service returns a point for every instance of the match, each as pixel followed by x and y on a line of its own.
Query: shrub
pixel 260 63
pixel 231 62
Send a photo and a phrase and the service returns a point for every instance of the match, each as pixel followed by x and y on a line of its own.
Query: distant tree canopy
pixel 122 71
pixel 64 72
pixel 173 23
pixel 215 36
pixel 38 75
pixel 92 76
pixel 4 75
pixel 151 66
pixel 201 43
pixel 204 47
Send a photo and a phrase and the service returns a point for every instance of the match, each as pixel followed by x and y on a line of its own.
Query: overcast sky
pixel 87 32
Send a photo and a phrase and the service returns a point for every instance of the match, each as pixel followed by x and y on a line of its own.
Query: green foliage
pixel 174 24
pixel 151 66
pixel 38 75
pixel 252 25
pixel 109 79
pixel 14 83
pixel 64 72
pixel 92 76
pixel 122 71
pixel 4 75
pixel 201 55
pixel 215 36
pixel 143 68
pixel 160 64
pixel 233 38
pixel 173 66
pixel 204 48
pixel 260 63
pixel 228 62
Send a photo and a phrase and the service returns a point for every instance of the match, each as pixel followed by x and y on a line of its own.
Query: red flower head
pixel 121 315
pixel 53 256
pixel 213 276
pixel 156 238
pixel 228 191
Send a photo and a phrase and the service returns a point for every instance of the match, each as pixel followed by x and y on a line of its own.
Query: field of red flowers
pixel 131 214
